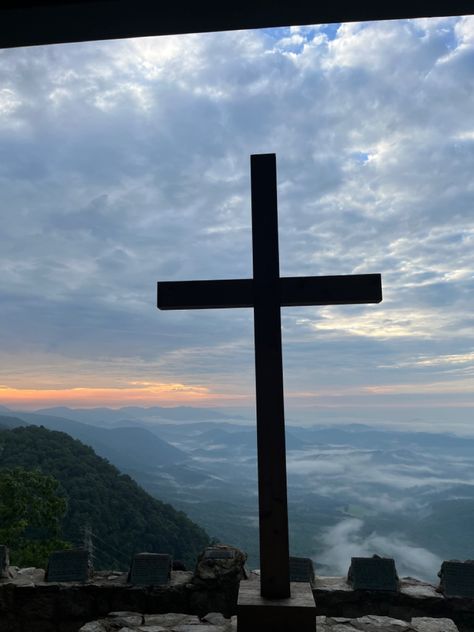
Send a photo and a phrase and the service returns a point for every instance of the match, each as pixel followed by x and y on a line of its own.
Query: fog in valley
pixel 354 490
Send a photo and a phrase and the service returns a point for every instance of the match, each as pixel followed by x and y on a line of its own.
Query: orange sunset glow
pixel 137 394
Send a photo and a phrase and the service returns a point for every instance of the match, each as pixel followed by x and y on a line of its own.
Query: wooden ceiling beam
pixel 28 22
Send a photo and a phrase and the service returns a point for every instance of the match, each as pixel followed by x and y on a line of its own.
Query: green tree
pixel 124 518
pixel 31 512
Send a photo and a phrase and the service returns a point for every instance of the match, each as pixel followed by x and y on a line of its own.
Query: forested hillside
pixel 123 517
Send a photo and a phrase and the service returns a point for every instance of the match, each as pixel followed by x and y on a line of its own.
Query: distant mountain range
pixel 108 416
pixel 7 422
pixel 353 489
pixel 127 448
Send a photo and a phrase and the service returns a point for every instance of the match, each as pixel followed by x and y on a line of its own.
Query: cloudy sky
pixel 127 162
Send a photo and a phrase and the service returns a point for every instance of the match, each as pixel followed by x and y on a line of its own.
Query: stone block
pixel 220 564
pixel 374 623
pixel 426 624
pixel 126 618
pixel 150 569
pixel 171 619
pixel 301 569
pixel 72 565
pixel 215 618
pixel 196 628
pixel 373 573
pixel 255 612
pixel 93 626
pixel 457 578
pixel 4 561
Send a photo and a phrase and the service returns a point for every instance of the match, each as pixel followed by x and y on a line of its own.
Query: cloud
pixel 326 463
pixel 382 324
pixel 346 539
pixel 447 360
pixel 332 470
pixel 126 162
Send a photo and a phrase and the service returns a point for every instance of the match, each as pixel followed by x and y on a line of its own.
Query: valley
pixel 353 489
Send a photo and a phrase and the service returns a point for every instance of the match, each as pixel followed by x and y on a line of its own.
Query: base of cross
pixel 255 612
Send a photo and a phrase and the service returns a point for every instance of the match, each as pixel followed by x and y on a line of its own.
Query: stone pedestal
pixel 255 612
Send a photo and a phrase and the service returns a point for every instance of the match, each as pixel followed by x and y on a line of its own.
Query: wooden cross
pixel 266 293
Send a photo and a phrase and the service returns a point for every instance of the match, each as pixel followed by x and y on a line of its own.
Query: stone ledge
pixel 416 599
pixel 408 586
pixel 36 577
pixel 168 622
pixel 28 604
pixel 215 622
pixel 373 623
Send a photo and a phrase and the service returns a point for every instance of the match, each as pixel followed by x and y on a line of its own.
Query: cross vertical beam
pixel 266 292
pixel 272 492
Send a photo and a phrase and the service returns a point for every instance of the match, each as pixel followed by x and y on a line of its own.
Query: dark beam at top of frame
pixel 33 22
pixel 294 291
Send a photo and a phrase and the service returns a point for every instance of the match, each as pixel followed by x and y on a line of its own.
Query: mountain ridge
pixel 126 448
pixel 171 413
pixel 120 513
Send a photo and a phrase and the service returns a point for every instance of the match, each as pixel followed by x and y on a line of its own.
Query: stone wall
pixel 28 604
pixel 335 598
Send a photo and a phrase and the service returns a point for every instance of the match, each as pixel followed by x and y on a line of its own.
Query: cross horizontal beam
pixel 294 291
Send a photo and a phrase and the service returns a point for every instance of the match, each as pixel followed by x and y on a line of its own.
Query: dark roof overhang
pixel 28 22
